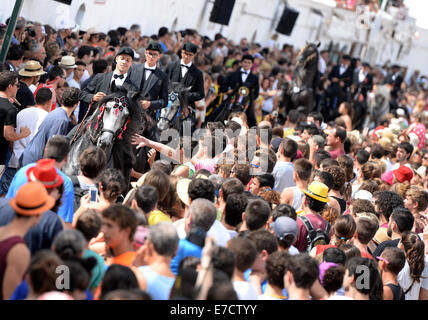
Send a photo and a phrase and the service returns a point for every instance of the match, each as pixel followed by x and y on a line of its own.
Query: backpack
pixel 78 192
pixel 315 237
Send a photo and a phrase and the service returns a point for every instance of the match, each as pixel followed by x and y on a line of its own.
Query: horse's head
pixel 308 54
pixel 177 97
pixel 114 116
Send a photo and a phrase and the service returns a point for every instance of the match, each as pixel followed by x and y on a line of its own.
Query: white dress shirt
pixel 244 74
pixel 149 72
pixel 361 76
pixel 342 69
pixel 118 81
pixel 184 69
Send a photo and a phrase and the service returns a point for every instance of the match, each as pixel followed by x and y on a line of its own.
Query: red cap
pixel 403 173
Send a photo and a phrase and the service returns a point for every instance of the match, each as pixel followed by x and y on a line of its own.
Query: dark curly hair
pixel 333 278
pixel 112 184
pixel 276 267
pixel 387 201
pixel 339 176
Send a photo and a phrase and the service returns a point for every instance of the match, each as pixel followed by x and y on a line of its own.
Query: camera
pixel 30 32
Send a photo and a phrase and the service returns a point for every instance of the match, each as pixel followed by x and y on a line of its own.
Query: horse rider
pixel 101 84
pixel 243 85
pixel 152 83
pixel 186 73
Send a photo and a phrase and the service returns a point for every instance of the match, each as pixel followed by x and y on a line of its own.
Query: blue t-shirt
pixel 158 286
pixel 66 209
pixel 164 48
pixel 185 249
pixel 55 123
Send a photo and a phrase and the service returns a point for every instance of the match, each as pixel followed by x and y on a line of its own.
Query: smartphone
pixel 94 194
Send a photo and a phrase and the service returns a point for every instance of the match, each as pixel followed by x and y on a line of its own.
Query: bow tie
pixel 149 69
pixel 183 65
pixel 244 72
pixel 120 76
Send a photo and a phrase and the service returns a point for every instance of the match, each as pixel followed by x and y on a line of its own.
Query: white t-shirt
pixel 245 290
pixel 293 251
pixel 267 102
pixel 85 77
pixel 405 281
pixel 31 117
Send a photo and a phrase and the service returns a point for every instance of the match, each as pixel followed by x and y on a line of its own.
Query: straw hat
pixel 421 171
pixel 139 182
pixel 32 68
pixel 183 187
pixel 68 62
pixel 45 172
pixel 32 199
pixel 92 31
pixel 318 191
pixel 182 190
pixel 386 144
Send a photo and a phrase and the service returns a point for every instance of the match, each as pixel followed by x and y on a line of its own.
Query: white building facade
pixel 389 40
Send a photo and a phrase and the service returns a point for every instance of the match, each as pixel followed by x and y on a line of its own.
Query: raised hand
pixel 140 141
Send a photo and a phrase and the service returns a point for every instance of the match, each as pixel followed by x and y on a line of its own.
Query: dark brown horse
pixel 302 88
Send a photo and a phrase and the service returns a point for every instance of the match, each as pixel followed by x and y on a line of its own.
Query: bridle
pixel 120 104
pixel 172 97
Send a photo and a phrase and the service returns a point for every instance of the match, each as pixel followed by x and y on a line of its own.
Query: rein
pixel 120 104
pixel 81 123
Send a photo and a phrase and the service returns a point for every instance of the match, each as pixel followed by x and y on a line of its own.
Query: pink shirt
pixel 336 153
pixel 208 164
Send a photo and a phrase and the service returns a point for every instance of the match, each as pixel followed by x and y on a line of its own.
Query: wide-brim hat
pixel 182 190
pixel 318 191
pixel 139 182
pixel 421 171
pixel 32 68
pixel 32 199
pixel 68 62
pixel 45 172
